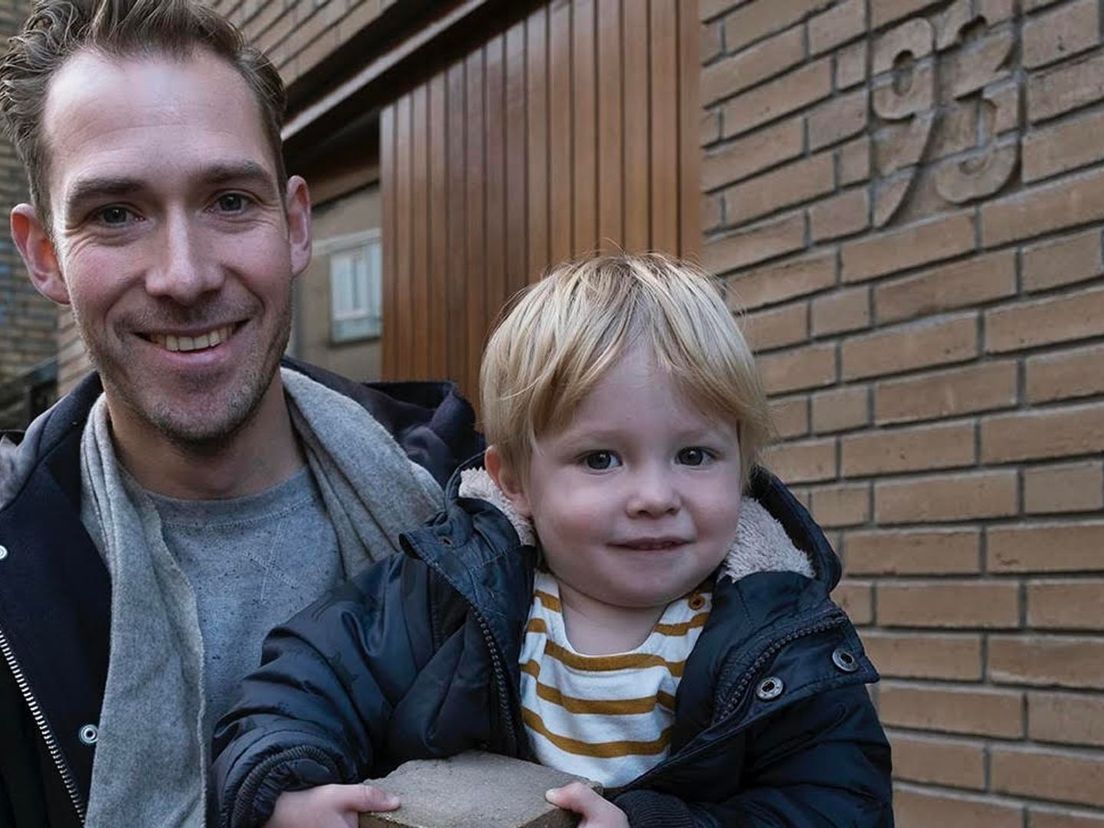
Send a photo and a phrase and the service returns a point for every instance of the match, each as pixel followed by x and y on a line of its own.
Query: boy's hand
pixel 329 806
pixel 595 811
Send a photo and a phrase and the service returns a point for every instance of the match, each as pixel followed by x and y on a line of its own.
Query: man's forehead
pixel 122 116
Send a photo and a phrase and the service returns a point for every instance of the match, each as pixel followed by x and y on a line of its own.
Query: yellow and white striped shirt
pixel 607 718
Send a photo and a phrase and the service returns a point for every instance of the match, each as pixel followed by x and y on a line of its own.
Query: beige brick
pixel 837 25
pixel 754 244
pixel 778 97
pixel 1066 374
pixel 758 151
pixel 958 496
pixel 913 552
pixel 886 11
pixel 1066 717
pixel 1032 5
pixel 840 215
pixel 708 9
pixel 907 347
pixel 765 60
pixel 851 65
pixel 710 127
pixel 970 282
pixel 1071 28
pixel 1066 661
pixel 1066 604
pixel 1065 146
pixel 1046 547
pixel 777 327
pixel 786 280
pixel 1042 817
pixel 917 808
pixel 840 409
pixel 926 655
pixel 942 446
pixel 956 763
pixel 853 160
pixel 1066 87
pixel 803 462
pixel 790 416
pixel 855 598
pixel 976 711
pixel 965 604
pixel 1049 773
pixel 1069 487
pixel 840 311
pixel 1063 261
pixel 712 212
pixel 801 368
pixel 1061 318
pixel 982 387
pixel 928 241
pixel 837 119
pixel 751 21
pixel 835 506
pixel 1075 199
pixel 795 182
pixel 710 43
pixel 1043 434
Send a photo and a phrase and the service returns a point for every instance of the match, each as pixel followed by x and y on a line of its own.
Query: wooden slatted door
pixel 571 132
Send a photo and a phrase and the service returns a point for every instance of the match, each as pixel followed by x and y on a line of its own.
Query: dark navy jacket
pixel 55 596
pixel 417 657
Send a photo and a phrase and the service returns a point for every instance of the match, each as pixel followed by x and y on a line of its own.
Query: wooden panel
pixel 638 206
pixel 585 131
pixel 570 130
pixel 536 115
pixel 610 59
pixel 516 161
pixel 388 297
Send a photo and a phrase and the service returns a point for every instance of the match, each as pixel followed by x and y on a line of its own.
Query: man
pixel 151 534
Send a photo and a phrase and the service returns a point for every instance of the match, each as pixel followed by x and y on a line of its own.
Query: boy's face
pixel 636 501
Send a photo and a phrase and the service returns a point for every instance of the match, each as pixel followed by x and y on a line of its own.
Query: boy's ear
pixel 507 481
pixel 38 253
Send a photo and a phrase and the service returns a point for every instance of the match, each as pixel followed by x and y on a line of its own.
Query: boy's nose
pixel 653 494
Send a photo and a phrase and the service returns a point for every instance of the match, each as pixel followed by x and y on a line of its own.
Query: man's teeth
pixel 193 343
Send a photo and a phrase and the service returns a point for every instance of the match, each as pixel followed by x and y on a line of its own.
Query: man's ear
pixel 38 253
pixel 507 480
pixel 299 223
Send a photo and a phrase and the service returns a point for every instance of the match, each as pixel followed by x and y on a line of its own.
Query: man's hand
pixel 329 806
pixel 595 811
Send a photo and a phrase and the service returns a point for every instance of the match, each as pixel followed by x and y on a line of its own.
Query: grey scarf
pixel 151 760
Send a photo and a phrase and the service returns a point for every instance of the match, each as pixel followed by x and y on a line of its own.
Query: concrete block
pixel 473 790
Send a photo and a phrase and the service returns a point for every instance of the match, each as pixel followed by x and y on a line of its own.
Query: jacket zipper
pixel 737 696
pixel 43 727
pixel 501 689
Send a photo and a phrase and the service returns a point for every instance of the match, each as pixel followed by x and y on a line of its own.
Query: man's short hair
pixel 58 29
pixel 565 331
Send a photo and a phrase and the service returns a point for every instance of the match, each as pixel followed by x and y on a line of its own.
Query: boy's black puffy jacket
pixel 418 658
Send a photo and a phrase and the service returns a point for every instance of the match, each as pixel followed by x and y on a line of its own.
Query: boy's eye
pixel 600 460
pixel 693 456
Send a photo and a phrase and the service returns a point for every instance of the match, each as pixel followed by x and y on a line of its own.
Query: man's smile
pixel 195 342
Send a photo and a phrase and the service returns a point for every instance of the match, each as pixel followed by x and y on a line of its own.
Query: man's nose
pixel 184 269
pixel 653 492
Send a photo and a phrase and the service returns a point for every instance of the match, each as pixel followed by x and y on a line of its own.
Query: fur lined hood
pixel 761 544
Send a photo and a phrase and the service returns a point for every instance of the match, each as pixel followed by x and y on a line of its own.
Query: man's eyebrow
pixel 99 187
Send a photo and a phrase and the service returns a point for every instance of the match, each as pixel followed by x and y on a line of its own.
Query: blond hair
pixel 565 331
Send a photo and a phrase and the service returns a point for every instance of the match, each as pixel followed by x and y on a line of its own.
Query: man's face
pixel 171 238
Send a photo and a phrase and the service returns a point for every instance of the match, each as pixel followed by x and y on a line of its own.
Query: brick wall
pixel 27 320
pixel 908 197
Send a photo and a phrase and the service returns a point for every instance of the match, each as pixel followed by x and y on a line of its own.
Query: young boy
pixel 622 594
